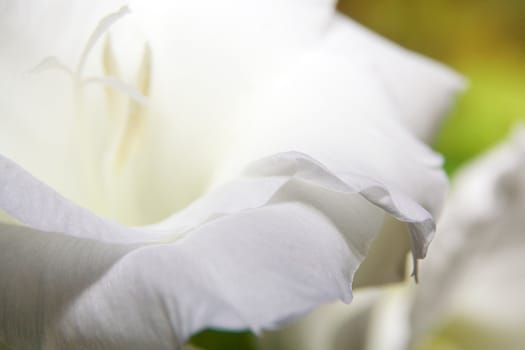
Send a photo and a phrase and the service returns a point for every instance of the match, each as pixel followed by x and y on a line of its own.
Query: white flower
pixel 471 290
pixel 279 121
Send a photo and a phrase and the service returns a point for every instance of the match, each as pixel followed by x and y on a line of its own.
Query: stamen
pixel 144 74
pixel 109 62
pixel 50 63
pixel 415 268
pixel 134 123
pixel 120 86
pixel 128 138
pixel 130 125
pixel 103 25
pixel 110 68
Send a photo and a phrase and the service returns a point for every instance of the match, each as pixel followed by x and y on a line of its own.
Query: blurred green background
pixel 482 39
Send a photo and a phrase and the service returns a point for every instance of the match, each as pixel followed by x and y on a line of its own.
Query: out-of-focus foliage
pixel 483 39
pixel 495 101
pixel 447 30
pixel 465 334
pixel 211 339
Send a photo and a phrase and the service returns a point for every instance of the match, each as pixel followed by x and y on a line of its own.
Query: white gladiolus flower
pixel 274 129
pixel 471 291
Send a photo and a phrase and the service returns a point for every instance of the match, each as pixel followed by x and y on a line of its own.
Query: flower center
pixel 129 119
pixel 126 106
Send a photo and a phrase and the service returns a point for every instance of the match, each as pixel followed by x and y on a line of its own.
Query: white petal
pixel 41 274
pixel 337 72
pixel 206 58
pixel 30 31
pixel 246 268
pixel 225 67
pixel 199 54
pixel 421 90
pixel 254 269
pixel 40 207
pixel 207 35
pixel 295 176
pixel 386 261
pixel 350 129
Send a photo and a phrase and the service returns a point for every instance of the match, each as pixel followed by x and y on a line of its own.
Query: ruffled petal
pixel 41 274
pixel 207 58
pixel 470 292
pixel 294 245
pixel 252 269
pixel 199 54
pixel 356 81
pixel 350 129
pixel 40 207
